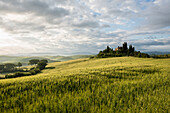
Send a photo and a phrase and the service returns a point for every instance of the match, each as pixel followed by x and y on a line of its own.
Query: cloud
pixel 87 24
pixel 69 26
pixel 38 8
pixel 157 15
pixel 152 44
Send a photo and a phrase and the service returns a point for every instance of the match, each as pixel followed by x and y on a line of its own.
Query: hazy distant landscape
pixel 25 59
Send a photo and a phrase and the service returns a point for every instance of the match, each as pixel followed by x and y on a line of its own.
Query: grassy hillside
pixel 123 84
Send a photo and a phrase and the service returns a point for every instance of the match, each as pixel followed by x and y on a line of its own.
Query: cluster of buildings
pixel 125 48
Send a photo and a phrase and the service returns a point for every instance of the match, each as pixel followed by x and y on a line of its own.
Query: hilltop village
pixel 121 51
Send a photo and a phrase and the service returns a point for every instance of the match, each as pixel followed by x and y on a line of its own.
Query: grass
pixel 123 84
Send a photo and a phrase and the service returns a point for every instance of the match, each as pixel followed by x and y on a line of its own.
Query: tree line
pixel 9 67
pixel 161 56
pixel 18 71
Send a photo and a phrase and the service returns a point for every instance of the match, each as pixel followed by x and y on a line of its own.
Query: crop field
pixel 122 84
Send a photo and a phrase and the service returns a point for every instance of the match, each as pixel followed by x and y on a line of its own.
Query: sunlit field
pixel 124 84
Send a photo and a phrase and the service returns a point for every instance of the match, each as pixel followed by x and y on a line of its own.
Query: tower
pixel 125 46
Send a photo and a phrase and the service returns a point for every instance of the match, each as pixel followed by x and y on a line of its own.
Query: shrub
pixel 37 70
pixel 32 68
pixel 41 65
pixel 92 57
pixel 32 72
pixel 17 74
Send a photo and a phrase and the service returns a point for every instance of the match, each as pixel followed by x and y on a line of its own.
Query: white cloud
pixel 68 26
pixel 157 15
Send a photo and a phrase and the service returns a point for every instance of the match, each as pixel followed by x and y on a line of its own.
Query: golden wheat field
pixel 122 84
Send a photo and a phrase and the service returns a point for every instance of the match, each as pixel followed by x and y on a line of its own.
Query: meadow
pixel 120 84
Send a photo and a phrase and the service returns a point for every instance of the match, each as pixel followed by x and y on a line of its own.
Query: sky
pixel 66 27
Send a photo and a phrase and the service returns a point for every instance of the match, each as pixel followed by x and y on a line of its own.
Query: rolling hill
pixel 25 59
pixel 120 84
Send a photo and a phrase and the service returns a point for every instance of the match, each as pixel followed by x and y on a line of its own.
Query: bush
pixel 17 74
pixel 41 65
pixel 35 71
pixel 32 68
pixel 20 74
pixel 92 57
pixel 32 72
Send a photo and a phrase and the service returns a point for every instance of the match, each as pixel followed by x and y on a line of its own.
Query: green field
pixel 123 84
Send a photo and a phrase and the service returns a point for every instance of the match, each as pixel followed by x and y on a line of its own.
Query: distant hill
pixel 157 53
pixel 25 59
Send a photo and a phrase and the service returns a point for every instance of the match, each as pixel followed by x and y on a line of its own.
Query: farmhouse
pixel 122 48
pixel 119 48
